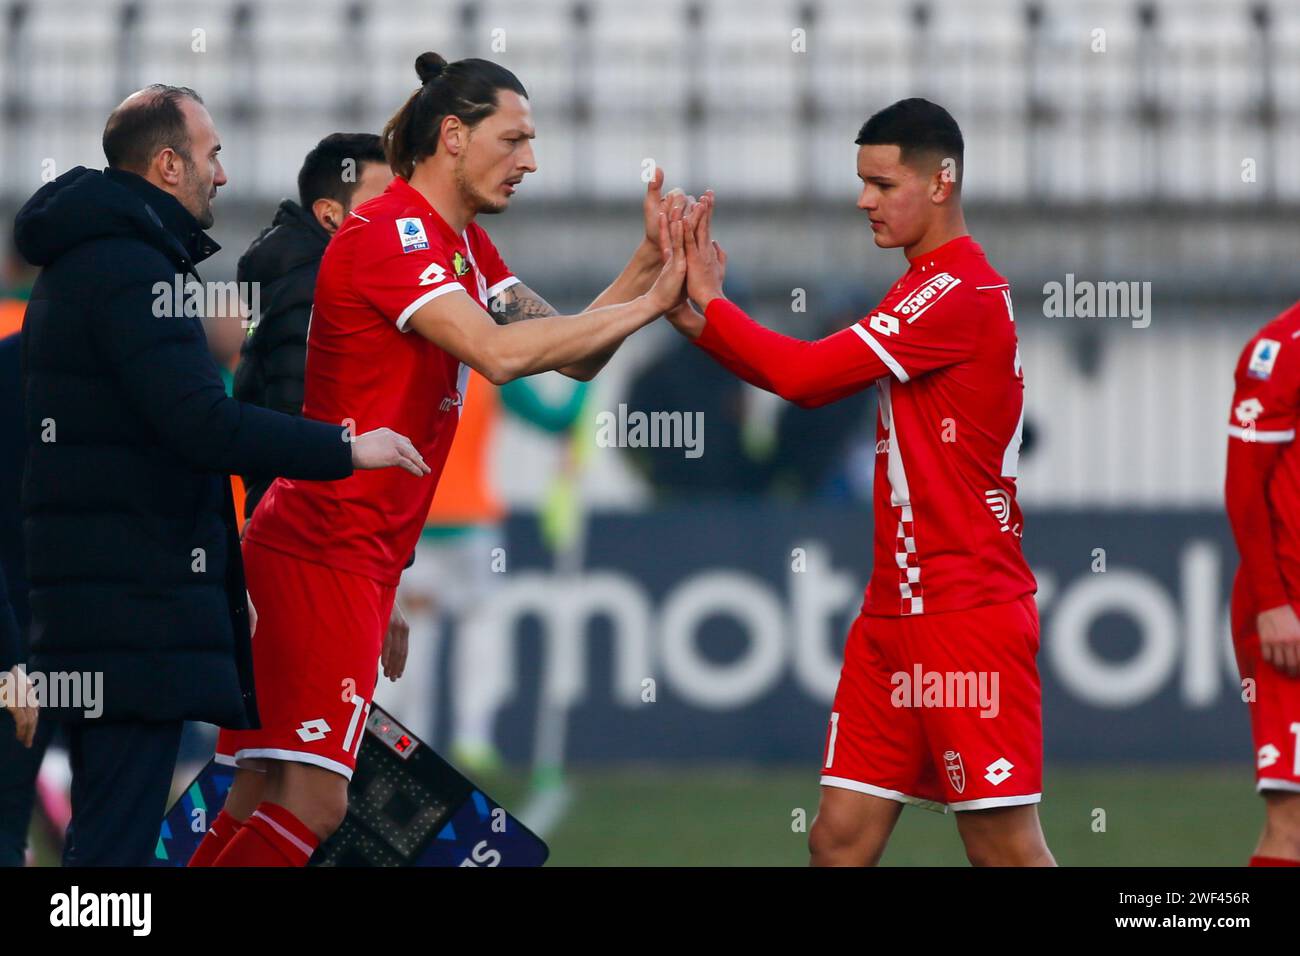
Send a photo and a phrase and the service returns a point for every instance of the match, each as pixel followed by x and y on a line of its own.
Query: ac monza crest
pixel 956 772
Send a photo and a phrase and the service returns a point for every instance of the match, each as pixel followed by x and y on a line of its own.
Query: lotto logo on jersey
pixel 927 295
pixel 884 323
pixel 1249 409
pixel 411 232
pixel 1262 359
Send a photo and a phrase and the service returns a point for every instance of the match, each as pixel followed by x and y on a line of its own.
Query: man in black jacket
pixel 343 170
pixel 136 582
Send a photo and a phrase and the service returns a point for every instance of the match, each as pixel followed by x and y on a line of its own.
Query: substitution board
pixel 406 807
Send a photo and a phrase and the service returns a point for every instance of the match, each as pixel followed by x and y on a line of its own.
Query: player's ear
pixel 329 213
pixel 944 181
pixel 452 134
pixel 941 186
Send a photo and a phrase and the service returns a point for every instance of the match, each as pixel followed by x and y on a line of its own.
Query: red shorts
pixel 1274 704
pixel 940 710
pixel 315 661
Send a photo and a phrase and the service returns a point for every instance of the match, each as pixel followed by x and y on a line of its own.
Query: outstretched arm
pixel 513 349
pixel 519 302
pixel 806 373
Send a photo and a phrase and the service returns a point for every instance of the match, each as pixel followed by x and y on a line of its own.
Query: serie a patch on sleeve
pixel 411 232
pixel 1262 358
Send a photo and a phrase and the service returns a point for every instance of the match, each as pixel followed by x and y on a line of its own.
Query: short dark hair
pixel 135 133
pixel 915 126
pixel 321 176
pixel 466 89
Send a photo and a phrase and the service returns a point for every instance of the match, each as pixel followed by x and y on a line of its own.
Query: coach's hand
pixel 1279 638
pixel 21 689
pixel 383 448
pixel 393 656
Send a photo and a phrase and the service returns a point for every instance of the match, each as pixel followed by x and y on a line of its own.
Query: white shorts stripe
pixel 989 802
pixel 294 756
pixel 844 783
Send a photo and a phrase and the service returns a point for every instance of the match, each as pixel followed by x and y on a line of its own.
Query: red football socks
pixel 220 833
pixel 1272 861
pixel 271 836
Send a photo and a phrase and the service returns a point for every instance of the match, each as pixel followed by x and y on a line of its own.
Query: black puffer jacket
pixel 132 551
pixel 283 260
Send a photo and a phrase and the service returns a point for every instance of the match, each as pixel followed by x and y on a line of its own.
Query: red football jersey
pixel 365 367
pixel 1265 408
pixel 948 527
pixel 942 346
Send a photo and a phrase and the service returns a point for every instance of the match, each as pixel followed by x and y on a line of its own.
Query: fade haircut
pixel 920 129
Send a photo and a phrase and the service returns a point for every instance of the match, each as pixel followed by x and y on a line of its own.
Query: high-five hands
pixel 706 266
pixel 706 262
pixel 668 288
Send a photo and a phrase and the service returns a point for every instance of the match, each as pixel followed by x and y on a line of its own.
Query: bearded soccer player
pixel 1263 495
pixel 950 602
pixel 411 295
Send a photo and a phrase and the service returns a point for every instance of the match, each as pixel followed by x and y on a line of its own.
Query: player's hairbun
pixel 429 66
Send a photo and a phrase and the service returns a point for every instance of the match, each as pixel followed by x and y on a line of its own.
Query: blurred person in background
pixel 1262 488
pixel 683 379
pixel 136 581
pixel 453 575
pixel 343 170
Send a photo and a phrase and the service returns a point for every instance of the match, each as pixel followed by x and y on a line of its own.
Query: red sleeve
pixel 497 276
pixel 1262 421
pixel 398 269
pixel 806 373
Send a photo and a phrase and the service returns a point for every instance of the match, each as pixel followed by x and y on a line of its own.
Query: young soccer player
pixel 1263 491
pixel 411 295
pixel 950 598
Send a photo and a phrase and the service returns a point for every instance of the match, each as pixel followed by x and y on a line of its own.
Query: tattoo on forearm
pixel 518 303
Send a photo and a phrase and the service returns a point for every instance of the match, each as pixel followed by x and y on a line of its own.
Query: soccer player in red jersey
pixel 939 702
pixel 411 295
pixel 1263 499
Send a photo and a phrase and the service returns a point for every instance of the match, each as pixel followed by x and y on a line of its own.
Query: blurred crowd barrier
pixel 1099 100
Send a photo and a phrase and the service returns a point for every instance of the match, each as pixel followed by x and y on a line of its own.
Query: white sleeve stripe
pixel 501 286
pixel 449 286
pixel 1264 438
pixel 890 362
